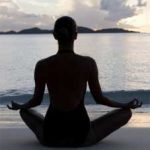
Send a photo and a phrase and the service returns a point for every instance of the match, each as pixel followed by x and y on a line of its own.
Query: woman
pixel 66 75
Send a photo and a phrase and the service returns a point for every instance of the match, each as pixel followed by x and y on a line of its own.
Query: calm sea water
pixel 123 59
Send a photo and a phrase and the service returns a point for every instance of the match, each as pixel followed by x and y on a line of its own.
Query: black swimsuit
pixel 66 128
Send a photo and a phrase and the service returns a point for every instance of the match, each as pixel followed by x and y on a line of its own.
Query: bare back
pixel 66 76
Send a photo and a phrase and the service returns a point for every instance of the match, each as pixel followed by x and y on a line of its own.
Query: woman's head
pixel 65 29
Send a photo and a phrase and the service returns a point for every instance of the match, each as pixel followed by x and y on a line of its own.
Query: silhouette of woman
pixel 66 75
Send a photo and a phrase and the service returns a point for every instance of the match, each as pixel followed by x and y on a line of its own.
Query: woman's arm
pixel 97 92
pixel 38 92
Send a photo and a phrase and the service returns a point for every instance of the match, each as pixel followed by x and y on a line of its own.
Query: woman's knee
pixel 23 112
pixel 126 114
pixel 31 114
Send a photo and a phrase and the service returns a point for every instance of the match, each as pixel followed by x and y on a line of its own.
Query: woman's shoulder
pixel 82 59
pixel 45 60
pixel 87 59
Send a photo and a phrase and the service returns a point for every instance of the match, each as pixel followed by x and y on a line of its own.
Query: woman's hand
pixel 135 103
pixel 14 106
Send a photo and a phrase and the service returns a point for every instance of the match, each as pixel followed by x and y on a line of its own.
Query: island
pixel 81 29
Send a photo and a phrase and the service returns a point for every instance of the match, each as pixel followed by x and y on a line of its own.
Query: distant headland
pixel 36 30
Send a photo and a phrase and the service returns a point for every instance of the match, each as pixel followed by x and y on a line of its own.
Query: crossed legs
pixel 105 125
pixel 34 121
pixel 100 127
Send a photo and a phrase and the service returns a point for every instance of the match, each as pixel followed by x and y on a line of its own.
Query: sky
pixel 96 14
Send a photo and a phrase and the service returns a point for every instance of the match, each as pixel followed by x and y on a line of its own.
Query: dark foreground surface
pixel 123 139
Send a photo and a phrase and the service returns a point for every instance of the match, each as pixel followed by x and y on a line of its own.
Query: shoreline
pixel 140 117
pixel 120 96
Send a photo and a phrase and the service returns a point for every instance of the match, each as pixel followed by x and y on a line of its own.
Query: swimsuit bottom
pixel 68 128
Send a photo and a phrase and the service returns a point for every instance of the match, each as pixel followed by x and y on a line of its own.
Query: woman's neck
pixel 66 47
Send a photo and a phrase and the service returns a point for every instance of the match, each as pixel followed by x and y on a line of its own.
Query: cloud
pixel 12 18
pixel 105 13
pixel 20 14
pixel 49 7
pixel 87 13
pixel 9 4
pixel 119 9
pixel 141 3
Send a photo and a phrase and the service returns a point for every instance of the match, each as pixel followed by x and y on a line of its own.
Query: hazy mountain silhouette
pixel 9 32
pixel 114 30
pixel 36 30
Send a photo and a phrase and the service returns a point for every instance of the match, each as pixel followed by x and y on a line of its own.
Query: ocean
pixel 123 62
